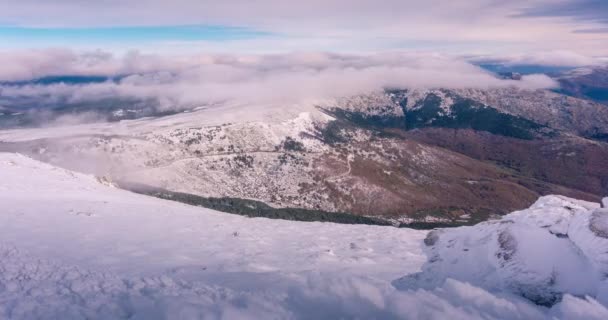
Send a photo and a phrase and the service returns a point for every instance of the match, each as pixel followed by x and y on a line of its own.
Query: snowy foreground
pixel 74 247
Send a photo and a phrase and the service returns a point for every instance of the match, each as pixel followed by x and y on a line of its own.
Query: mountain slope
pixel 409 156
pixel 72 246
pixel 590 83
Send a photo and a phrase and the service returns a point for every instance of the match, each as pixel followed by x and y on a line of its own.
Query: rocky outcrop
pixel 557 246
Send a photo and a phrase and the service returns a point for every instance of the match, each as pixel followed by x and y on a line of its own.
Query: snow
pixel 202 152
pixel 73 216
pixel 74 247
pixel 193 153
pixel 374 103
pixel 558 246
pixel 416 98
pixel 53 221
pixel 214 115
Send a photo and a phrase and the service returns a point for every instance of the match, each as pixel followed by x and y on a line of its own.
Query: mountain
pixel 588 83
pixel 75 246
pixel 414 157
pixel 22 106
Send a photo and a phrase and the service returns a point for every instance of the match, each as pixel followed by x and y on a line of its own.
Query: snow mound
pixel 40 289
pixel 557 247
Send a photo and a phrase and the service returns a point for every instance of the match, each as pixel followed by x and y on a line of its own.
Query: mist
pixel 177 81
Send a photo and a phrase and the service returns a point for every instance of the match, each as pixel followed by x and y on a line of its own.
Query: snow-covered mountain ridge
pixel 533 109
pixel 445 156
pixel 74 247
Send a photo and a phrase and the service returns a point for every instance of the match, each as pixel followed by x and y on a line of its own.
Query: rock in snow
pixel 556 247
pixel 74 248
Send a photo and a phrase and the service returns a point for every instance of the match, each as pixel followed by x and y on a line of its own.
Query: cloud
pixel 30 64
pixel 555 58
pixel 333 25
pixel 176 81
pixel 593 30
pixel 586 10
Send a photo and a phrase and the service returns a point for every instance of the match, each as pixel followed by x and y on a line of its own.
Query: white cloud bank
pixel 202 79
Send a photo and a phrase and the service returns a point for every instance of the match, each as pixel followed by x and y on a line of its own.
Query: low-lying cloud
pixel 205 79
pixel 554 58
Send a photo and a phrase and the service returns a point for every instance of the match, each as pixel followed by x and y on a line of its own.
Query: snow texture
pixel 558 246
pixel 74 247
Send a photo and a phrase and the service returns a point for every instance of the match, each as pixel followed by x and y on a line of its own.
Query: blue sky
pixel 127 35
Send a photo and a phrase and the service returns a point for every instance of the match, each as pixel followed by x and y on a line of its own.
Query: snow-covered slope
pixel 76 217
pixel 413 156
pixel 74 247
pixel 558 246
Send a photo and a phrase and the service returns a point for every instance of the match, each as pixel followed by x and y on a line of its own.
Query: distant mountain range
pixel 586 83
